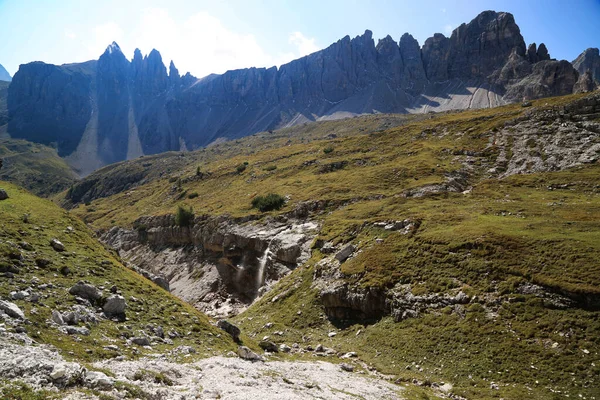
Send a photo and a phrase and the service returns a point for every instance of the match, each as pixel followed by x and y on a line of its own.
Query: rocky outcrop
pixel 220 264
pixel 112 109
pixel 589 60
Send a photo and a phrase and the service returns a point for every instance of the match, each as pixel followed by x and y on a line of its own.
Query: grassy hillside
pixel 524 248
pixel 27 225
pixel 35 167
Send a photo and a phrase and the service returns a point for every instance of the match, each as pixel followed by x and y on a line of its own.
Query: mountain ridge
pixel 115 109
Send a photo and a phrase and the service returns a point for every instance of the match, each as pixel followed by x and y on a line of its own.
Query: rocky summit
pixel 113 109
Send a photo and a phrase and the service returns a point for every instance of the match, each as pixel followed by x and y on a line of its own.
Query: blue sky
pixel 212 36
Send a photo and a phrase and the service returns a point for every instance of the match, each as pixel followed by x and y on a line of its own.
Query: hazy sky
pixel 203 37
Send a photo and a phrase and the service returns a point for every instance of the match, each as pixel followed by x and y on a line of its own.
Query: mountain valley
pixel 389 221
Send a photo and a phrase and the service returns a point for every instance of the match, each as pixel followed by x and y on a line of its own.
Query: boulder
pixel 247 354
pixel 26 246
pixel 85 290
pixel 97 379
pixel 115 305
pixel 140 341
pixel 3 194
pixel 57 245
pixel 76 330
pixel 57 318
pixel 347 367
pixel 269 346
pixel 228 327
pixel 285 348
pixel 346 252
pixel 161 281
pixel 11 309
pixel 20 295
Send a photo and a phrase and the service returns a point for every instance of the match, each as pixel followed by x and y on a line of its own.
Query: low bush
pixel 184 216
pixel 269 202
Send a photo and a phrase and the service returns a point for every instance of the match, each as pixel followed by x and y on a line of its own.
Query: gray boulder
pixel 57 245
pixel 76 330
pixel 97 379
pixel 141 341
pixel 247 354
pixel 161 281
pixel 3 194
pixel 228 327
pixel 115 305
pixel 57 318
pixel 11 309
pixel 346 252
pixel 269 346
pixel 85 290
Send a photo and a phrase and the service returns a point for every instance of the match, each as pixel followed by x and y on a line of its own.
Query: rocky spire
pixel 435 57
pixel 174 78
pixel 413 77
pixel 532 53
pixel 542 53
pixel 389 59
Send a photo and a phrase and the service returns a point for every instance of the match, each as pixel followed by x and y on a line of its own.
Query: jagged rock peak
pixel 479 47
pixel 589 60
pixel 542 53
pixel 154 56
pixel 137 56
pixel 113 48
pixel 532 53
pixel 173 71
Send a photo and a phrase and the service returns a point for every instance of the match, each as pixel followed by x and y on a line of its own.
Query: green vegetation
pixel 35 167
pixel 87 259
pixel 184 216
pixel 269 202
pixel 20 391
pixel 494 242
pixel 328 149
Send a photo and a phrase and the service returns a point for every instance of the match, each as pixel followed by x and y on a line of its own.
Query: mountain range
pixel 112 109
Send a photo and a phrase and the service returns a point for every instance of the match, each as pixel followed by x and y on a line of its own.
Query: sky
pixel 204 37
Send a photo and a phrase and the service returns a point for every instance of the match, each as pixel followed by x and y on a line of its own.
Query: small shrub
pixel 184 216
pixel 193 195
pixel 241 168
pixel 198 172
pixel 271 168
pixel 269 202
pixel 328 149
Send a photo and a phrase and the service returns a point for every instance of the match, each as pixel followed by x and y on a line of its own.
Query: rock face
pixel 589 60
pixel 114 109
pixel 221 265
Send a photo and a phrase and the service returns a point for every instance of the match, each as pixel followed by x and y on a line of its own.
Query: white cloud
pixel 448 29
pixel 304 45
pixel 69 34
pixel 201 44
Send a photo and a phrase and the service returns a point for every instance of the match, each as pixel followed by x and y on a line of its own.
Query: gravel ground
pixel 236 379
